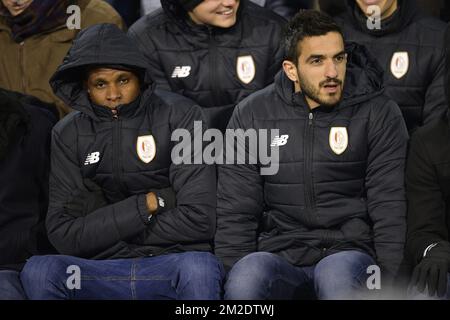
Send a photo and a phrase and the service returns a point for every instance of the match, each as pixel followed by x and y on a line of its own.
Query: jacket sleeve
pixel 194 217
pixel 387 142
pixel 86 236
pixel 426 207
pixel 148 49
pixel 435 106
pixel 240 203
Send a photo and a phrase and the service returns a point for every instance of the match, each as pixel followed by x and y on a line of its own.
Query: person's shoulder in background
pixel 99 11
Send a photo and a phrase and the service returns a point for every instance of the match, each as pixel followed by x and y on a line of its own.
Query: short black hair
pixel 306 23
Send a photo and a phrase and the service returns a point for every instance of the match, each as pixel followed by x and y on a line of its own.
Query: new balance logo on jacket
pixel 279 141
pixel 181 72
pixel 92 158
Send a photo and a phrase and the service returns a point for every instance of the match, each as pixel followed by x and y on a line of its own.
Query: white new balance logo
pixel 279 141
pixel 181 72
pixel 161 202
pixel 92 158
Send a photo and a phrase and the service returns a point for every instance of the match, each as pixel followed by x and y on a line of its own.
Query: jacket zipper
pixel 212 67
pixel 22 67
pixel 309 144
pixel 117 172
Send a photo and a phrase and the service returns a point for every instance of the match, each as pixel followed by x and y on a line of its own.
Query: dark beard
pixel 310 92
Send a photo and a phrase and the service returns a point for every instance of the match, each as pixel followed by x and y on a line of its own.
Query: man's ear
pixel 290 70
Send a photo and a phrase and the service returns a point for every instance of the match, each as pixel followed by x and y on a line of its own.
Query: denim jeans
pixel 10 286
pixel 263 275
pixel 414 294
pixel 178 276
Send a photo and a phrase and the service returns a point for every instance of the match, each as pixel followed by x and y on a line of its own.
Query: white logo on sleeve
pixel 279 141
pixel 181 72
pixel 92 158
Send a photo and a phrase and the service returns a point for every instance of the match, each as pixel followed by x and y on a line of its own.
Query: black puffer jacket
pixel 428 181
pixel 24 166
pixel 319 202
pixel 407 34
pixel 203 63
pixel 91 145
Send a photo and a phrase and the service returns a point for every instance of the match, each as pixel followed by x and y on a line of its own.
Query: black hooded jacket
pixel 409 45
pixel 91 145
pixel 24 166
pixel 428 181
pixel 210 65
pixel 319 202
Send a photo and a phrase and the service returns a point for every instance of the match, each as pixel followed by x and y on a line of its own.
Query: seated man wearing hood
pixel 129 222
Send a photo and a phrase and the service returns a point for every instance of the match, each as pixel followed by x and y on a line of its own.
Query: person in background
pixel 215 52
pixel 410 48
pixel 34 38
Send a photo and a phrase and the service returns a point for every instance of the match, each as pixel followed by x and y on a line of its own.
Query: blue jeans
pixel 263 275
pixel 10 286
pixel 178 276
pixel 414 294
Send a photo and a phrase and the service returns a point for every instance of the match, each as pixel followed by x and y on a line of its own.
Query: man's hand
pixel 160 200
pixel 152 203
pixel 432 270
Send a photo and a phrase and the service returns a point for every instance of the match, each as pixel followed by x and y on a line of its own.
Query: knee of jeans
pixel 255 265
pixel 342 267
pixel 198 265
pixel 38 271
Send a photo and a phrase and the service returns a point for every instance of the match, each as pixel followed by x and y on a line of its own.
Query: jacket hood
pixel 101 44
pixel 363 79
pixel 407 12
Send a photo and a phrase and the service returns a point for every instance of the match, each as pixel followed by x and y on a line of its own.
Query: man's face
pixel 111 87
pixel 320 70
pixel 216 13
pixel 16 7
pixel 387 7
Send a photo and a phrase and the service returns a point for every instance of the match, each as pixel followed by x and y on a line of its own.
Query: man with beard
pixel 409 47
pixel 337 203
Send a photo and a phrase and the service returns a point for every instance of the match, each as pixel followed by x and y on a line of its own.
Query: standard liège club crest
pixel 245 68
pixel 338 139
pixel 146 148
pixel 400 64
